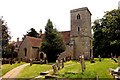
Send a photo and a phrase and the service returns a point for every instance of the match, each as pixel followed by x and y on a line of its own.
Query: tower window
pixel 78 29
pixel 78 16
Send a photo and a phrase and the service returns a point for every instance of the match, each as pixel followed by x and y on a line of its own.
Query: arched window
pixel 25 52
pixel 78 16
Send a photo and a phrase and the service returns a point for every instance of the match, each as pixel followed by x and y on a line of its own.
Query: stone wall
pixel 67 52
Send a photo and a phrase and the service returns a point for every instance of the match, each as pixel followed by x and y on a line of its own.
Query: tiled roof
pixel 66 36
pixel 35 42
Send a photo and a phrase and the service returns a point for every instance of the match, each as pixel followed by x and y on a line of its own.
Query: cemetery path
pixel 14 72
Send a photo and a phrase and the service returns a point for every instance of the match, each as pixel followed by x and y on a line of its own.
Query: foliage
pixel 32 33
pixel 10 51
pixel 52 44
pixel 5 35
pixel 107 34
pixel 8 67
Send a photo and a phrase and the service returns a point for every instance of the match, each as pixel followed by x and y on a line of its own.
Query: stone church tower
pixel 80 35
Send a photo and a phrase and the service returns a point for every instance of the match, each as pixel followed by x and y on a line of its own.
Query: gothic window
pixel 78 16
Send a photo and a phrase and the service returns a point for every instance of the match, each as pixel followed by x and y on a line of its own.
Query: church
pixel 78 40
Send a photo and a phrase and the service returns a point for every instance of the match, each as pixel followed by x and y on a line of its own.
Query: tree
pixel 5 36
pixel 100 41
pixel 53 43
pixel 32 33
pixel 107 34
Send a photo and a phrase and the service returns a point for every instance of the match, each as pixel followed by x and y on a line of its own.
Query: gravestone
pixel 64 59
pixel 58 64
pixel 92 59
pixel 62 62
pixel 119 60
pixel 82 62
pixel 46 61
pixel 111 56
pixel 41 61
pixel 54 68
pixel 30 62
pixel 99 58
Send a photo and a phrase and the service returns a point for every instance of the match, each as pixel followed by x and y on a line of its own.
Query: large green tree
pixel 32 33
pixel 4 36
pixel 53 43
pixel 107 34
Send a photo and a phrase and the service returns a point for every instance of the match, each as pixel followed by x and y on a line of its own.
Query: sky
pixel 21 15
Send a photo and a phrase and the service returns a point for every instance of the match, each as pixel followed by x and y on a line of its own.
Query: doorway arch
pixel 41 55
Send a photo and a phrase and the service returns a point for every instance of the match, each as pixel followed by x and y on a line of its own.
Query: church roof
pixel 65 35
pixel 35 42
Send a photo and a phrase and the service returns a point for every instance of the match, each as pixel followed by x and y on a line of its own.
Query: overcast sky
pixel 21 15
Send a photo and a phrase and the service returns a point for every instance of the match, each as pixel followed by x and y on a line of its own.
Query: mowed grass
pixel 7 67
pixel 100 69
pixel 34 70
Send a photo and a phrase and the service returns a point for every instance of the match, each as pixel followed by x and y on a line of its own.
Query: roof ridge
pixel 33 37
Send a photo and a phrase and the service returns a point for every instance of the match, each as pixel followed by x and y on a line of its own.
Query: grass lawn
pixel 8 67
pixel 72 69
pixel 34 70
pixel 92 69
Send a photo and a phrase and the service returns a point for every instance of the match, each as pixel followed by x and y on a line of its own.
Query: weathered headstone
pixel 41 61
pixel 62 62
pixel 46 61
pixel 119 60
pixel 64 59
pixel 82 62
pixel 31 62
pixel 92 59
pixel 54 68
pixel 58 64
pixel 111 56
pixel 99 58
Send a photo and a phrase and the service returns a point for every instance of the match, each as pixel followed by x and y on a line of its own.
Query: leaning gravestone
pixel 82 62
pixel 54 68
pixel 119 60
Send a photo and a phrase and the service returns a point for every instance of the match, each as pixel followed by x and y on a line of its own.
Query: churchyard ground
pixel 7 67
pixel 72 69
